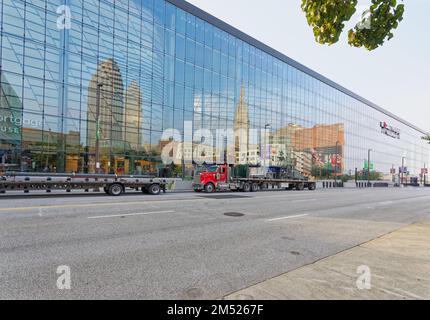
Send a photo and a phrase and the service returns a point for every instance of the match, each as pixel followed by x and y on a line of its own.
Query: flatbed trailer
pixel 221 178
pixel 255 184
pixel 114 185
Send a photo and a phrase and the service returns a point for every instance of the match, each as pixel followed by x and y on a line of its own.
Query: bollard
pixel 48 189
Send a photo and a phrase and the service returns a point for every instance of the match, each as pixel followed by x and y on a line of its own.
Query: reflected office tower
pixel 197 112
pixel 10 114
pixel 241 130
pixel 10 125
pixel 105 109
pixel 132 119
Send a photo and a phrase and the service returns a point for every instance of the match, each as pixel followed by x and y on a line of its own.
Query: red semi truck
pixel 230 178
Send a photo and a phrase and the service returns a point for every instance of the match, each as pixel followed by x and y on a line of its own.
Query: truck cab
pixel 213 178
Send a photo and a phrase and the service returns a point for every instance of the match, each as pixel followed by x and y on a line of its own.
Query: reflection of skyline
pixel 114 119
pixel 120 126
pixel 323 143
pixel 105 92
pixel 120 114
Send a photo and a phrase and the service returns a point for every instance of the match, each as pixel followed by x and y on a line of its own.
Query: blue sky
pixel 395 76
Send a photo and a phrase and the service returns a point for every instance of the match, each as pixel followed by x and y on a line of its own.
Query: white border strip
pixel 129 214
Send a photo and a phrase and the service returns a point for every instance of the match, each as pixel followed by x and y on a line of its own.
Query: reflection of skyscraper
pixel 10 124
pixel 105 93
pixel 132 116
pixel 241 129
pixel 10 114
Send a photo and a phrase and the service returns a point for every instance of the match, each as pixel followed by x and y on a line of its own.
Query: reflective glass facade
pixel 103 85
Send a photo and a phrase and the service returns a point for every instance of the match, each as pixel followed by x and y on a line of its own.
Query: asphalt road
pixel 183 246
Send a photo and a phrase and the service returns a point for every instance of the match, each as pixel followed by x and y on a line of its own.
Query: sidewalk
pixel 399 265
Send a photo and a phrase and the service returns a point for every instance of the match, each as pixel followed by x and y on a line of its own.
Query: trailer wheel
pixel 115 189
pixel 154 189
pixel 246 187
pixel 106 190
pixel 209 188
pixel 300 187
pixel 312 186
pixel 255 187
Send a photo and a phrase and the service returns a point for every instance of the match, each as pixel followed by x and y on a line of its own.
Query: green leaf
pixel 328 17
pixel 385 16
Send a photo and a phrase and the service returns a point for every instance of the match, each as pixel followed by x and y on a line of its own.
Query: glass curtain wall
pixel 97 85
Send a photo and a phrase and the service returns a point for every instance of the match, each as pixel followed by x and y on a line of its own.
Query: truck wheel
pixel 106 190
pixel 255 187
pixel 154 189
pixel 246 187
pixel 300 187
pixel 115 189
pixel 312 186
pixel 209 188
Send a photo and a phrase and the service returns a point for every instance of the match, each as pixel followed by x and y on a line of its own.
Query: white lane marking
pixel 289 217
pixel 384 203
pixel 303 200
pixel 129 214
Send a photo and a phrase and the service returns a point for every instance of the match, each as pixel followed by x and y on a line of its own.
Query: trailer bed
pixel 111 184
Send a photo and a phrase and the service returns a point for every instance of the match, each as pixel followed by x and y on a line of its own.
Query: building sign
pixel 366 165
pixel 403 170
pixel 390 130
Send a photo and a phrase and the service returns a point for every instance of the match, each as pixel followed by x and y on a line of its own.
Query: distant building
pixel 106 93
pixel 133 116
pixel 241 130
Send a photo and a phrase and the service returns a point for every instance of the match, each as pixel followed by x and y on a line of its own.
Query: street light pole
pixel 265 142
pixel 99 85
pixel 47 151
pixel 335 163
pixel 368 167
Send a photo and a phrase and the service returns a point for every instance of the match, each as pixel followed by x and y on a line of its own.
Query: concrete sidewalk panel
pixel 399 264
